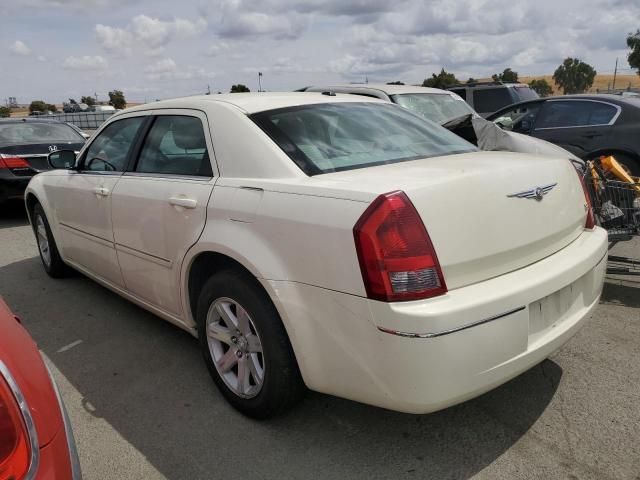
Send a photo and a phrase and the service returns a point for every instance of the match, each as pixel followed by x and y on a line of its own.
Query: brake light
pixel 397 258
pixel 13 162
pixel 590 222
pixel 15 452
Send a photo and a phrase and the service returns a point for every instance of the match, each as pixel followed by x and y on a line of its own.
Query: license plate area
pixel 548 312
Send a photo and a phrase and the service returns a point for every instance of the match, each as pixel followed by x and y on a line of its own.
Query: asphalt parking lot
pixel 143 406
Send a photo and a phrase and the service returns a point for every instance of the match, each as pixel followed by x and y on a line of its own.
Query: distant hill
pixel 601 83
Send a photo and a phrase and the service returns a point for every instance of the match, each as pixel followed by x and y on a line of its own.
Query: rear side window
pixel 558 114
pixel 489 100
pixel 175 145
pixel 110 149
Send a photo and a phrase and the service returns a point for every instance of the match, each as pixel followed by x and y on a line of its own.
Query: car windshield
pixel 34 132
pixel 439 108
pixel 331 137
pixel 525 93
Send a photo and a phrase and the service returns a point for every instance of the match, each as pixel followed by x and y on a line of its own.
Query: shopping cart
pixel 615 199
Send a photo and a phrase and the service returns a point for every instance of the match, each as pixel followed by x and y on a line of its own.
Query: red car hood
pixel 20 354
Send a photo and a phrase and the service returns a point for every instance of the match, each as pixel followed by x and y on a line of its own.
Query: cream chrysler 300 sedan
pixel 328 241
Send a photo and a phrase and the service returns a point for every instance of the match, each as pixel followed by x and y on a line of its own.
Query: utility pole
pixel 259 81
pixel 615 72
pixel 95 94
pixel 208 89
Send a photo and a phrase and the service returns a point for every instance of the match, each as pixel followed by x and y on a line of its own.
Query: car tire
pixel 246 347
pixel 47 248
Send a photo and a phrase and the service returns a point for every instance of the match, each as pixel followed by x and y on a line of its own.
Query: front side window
pixel 110 149
pixel 439 108
pixel 491 99
pixel 520 119
pixel 331 137
pixel 175 145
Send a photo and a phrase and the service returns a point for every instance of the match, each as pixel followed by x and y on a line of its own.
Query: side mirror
pixel 62 159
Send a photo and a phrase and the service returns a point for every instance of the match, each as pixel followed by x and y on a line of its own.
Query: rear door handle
pixel 183 202
pixel 101 191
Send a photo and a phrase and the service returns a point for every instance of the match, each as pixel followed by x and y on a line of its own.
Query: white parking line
pixel 70 346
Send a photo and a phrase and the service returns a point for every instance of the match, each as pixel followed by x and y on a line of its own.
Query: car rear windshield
pixel 34 132
pixel 525 93
pixel 332 137
pixel 439 108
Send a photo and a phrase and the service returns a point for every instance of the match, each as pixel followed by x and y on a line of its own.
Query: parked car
pixel 24 146
pixel 587 125
pixel 104 108
pixel 487 97
pixel 434 104
pixel 344 244
pixel 36 439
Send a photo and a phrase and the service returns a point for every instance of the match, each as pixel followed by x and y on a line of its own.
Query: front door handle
pixel 183 202
pixel 101 191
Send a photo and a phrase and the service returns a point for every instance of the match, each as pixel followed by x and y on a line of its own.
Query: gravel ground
pixel 143 406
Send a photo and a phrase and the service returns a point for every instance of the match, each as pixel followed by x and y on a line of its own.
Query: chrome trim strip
pixel 34 461
pixel 452 330
pixel 76 472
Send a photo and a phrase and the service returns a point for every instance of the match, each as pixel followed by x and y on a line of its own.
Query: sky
pixel 154 49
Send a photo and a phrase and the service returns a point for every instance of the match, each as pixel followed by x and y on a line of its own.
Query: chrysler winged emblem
pixel 538 192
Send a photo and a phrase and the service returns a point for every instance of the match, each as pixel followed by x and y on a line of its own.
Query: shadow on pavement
pixel 146 379
pixel 13 214
pixel 621 294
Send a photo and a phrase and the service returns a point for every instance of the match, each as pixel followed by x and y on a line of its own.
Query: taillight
pixel 590 222
pixel 15 452
pixel 397 258
pixel 13 162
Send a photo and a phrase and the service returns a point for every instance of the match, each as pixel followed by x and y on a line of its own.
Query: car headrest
pixel 187 137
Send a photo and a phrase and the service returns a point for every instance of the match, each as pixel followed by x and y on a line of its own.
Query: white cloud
pixel 167 69
pixel 146 34
pixel 162 66
pixel 42 58
pixel 86 63
pixel 19 48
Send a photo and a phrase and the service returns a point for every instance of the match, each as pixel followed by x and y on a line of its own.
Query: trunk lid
pixel 35 155
pixel 481 222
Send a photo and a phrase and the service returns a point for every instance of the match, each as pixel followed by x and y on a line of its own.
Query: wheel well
pixel 32 200
pixel 203 267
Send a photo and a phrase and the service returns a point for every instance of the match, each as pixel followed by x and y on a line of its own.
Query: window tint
pixel 33 132
pixel 110 149
pixel 331 137
pixel 489 100
pixel 175 145
pixel 460 91
pixel 521 119
pixel 575 114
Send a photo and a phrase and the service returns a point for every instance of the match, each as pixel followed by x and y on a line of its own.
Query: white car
pixel 336 242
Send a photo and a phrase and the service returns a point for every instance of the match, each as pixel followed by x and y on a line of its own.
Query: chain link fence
pixel 83 120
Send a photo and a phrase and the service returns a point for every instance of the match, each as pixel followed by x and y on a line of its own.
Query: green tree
pixel 633 42
pixel 472 80
pixel 52 108
pixel 37 106
pixel 574 76
pixel 541 87
pixel 72 101
pixel 507 76
pixel 239 88
pixel 397 82
pixel 442 80
pixel 117 100
pixel 89 100
pixel 5 112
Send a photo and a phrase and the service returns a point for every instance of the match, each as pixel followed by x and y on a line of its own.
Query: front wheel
pixel 245 346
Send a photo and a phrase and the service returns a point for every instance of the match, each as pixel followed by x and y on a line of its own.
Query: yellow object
pixel 610 164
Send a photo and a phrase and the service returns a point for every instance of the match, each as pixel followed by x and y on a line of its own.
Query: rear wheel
pixel 245 346
pixel 51 260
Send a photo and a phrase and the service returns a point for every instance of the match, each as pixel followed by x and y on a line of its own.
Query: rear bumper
pixel 12 187
pixel 343 345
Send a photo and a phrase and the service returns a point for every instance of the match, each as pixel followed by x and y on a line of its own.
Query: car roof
pixel 388 89
pixel 253 102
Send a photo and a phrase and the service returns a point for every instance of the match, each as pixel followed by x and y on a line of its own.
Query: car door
pixel 580 126
pixel 520 119
pixel 82 199
pixel 159 206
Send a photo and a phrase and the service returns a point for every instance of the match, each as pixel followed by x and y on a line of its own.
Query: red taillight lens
pixel 397 258
pixel 14 439
pixel 13 162
pixel 590 222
